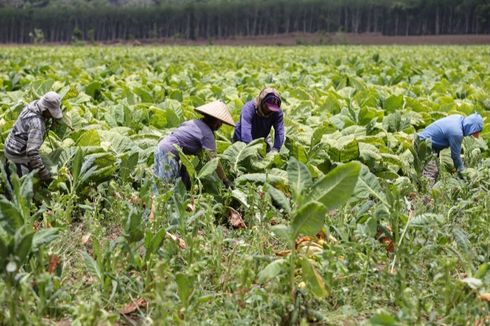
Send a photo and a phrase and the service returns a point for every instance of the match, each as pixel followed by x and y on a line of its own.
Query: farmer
pixel 27 136
pixel 449 132
pixel 258 117
pixel 192 137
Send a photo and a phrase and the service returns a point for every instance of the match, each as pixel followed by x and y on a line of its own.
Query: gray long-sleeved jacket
pixel 26 137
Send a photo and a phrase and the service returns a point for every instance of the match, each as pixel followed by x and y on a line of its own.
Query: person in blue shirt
pixel 448 132
pixel 258 117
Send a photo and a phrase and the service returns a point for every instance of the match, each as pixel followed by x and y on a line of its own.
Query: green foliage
pixel 320 214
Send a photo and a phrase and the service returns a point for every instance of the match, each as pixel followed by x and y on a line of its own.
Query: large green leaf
pixel 163 118
pixel 313 280
pixel 44 236
pixel 238 152
pixel 393 103
pixel 299 177
pixel 92 266
pixel 10 217
pixel 23 244
pixel 3 254
pixel 187 162
pixel 277 180
pixel 279 197
pixel 272 270
pixel 93 89
pixel 185 287
pixel 209 168
pixel 308 219
pixel 343 149
pixel 77 165
pixel 89 138
pixel 335 188
pixel 368 186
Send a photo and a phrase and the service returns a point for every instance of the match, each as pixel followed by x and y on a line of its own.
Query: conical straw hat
pixel 218 110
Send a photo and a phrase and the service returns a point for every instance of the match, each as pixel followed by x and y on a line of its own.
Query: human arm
pixel 278 132
pixel 455 146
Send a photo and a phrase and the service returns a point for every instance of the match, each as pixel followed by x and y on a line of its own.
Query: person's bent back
pixel 449 132
pixel 25 139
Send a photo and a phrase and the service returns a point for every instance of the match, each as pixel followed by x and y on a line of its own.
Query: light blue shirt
pixel 449 132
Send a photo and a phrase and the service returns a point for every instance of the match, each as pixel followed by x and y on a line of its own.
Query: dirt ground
pixel 331 39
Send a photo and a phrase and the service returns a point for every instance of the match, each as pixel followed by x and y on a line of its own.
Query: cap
pixel 51 101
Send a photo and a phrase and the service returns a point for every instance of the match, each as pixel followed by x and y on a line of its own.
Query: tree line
pixel 225 19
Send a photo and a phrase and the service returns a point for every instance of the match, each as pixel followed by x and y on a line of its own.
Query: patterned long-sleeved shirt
pixel 25 139
pixel 252 126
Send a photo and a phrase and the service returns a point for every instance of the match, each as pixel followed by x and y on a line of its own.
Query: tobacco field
pixel 341 228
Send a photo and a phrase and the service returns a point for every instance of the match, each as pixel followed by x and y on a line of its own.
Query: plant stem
pixel 292 267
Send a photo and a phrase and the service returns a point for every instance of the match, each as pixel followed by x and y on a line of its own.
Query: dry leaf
pixel 118 196
pixel 37 225
pixel 309 245
pixel 390 245
pixel 482 321
pixel 151 217
pixel 86 238
pixel 134 199
pixel 321 235
pixel 385 237
pixel 485 297
pixel 133 306
pixel 283 253
pixel 301 240
pixel 180 242
pixel 412 195
pixel 191 207
pixel 235 219
pixel 54 261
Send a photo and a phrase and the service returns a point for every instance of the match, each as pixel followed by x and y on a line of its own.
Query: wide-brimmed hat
pixel 51 101
pixel 218 110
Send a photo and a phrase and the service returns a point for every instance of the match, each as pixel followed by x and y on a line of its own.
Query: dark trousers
pixel 431 169
pixel 18 169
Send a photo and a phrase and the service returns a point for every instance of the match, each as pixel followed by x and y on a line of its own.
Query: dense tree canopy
pixel 101 20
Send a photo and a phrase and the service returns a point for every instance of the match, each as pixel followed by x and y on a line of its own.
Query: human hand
pixel 273 152
pixel 228 184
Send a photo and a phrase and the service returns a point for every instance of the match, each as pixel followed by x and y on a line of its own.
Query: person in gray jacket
pixel 26 137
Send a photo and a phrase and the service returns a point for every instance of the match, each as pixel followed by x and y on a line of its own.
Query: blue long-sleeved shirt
pixel 252 126
pixel 449 132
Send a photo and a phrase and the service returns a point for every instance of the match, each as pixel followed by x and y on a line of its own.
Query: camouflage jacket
pixel 26 138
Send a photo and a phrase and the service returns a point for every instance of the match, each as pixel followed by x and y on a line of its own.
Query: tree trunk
pixel 437 27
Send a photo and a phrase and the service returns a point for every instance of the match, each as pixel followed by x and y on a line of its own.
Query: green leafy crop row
pixel 93 248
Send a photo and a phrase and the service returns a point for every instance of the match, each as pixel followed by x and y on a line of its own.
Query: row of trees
pixel 220 19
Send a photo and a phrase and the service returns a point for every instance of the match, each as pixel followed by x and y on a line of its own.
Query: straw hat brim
pixel 218 110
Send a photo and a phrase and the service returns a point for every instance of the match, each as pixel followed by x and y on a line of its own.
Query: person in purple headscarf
pixel 258 117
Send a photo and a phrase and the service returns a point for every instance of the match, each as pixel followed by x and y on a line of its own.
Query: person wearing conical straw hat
pixel 192 137
pixel 258 117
